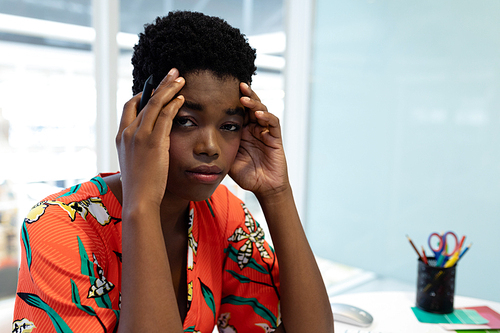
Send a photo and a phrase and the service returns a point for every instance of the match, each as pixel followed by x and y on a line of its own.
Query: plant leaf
pixel 35 301
pixel 208 296
pixel 258 308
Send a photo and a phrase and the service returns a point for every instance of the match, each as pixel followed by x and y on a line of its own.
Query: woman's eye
pixel 184 122
pixel 231 127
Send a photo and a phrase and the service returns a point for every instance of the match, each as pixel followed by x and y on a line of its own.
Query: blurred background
pixel 51 66
pixel 390 112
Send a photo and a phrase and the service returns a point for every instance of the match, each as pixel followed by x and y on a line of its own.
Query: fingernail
pixel 179 79
pixel 171 72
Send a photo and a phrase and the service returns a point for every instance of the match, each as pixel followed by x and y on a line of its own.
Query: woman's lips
pixel 205 173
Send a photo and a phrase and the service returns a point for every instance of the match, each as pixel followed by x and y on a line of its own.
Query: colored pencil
pixel 463 252
pixel 424 258
pixel 413 245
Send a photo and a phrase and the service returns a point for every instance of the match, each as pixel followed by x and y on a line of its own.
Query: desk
pixel 392 312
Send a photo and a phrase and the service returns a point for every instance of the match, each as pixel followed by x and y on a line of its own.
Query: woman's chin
pixel 201 193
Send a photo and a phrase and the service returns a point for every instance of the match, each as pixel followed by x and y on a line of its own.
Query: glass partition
pixel 405 135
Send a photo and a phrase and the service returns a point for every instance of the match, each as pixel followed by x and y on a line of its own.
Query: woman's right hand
pixel 143 142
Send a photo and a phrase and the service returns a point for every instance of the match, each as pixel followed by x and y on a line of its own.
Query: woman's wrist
pixel 275 196
pixel 143 210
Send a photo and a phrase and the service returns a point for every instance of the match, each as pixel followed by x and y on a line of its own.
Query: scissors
pixel 441 252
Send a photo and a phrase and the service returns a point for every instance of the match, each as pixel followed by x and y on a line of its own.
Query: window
pixel 48 94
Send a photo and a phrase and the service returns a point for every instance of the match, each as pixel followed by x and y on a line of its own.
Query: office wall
pixel 404 134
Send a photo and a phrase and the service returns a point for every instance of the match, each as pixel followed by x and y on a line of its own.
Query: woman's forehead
pixel 208 75
pixel 203 88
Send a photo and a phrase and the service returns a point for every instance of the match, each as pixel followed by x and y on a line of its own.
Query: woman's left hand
pixel 260 164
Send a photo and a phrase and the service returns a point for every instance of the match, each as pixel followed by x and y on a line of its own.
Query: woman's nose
pixel 207 143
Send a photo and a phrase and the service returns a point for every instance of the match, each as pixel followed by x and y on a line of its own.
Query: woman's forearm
pixel 305 306
pixel 148 296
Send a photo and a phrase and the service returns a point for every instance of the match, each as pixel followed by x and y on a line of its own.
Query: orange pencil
pixel 461 243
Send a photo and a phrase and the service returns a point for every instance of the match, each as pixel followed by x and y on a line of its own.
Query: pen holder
pixel 435 287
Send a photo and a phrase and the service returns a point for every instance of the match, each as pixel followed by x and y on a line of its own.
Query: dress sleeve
pixel 62 284
pixel 250 293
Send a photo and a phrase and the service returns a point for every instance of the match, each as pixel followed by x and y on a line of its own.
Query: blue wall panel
pixel 405 135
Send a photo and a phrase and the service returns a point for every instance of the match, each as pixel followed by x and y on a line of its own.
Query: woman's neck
pixel 174 213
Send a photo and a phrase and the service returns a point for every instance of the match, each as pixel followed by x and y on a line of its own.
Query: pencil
pixel 463 252
pixel 461 243
pixel 413 245
pixel 424 258
pixel 452 260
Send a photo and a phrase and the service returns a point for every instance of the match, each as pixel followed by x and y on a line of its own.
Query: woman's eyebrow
pixel 193 105
pixel 240 111
pixel 236 111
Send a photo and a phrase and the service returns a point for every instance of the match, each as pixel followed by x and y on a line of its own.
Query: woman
pixel 193 256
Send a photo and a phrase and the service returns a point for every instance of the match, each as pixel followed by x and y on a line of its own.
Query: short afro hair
pixel 191 42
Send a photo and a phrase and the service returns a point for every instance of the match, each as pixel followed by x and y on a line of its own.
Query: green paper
pixel 458 316
pixel 482 331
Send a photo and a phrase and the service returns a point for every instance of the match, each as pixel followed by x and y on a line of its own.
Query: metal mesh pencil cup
pixel 435 287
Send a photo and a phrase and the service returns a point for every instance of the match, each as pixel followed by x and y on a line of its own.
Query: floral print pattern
pixel 254 236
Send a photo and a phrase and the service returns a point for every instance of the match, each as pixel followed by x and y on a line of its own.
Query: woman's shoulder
pixel 95 187
pixel 92 197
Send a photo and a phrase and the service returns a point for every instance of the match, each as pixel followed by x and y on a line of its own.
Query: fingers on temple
pixel 259 113
pixel 162 105
pixel 247 91
pixel 250 99
pixel 252 105
pixel 270 122
pixel 165 117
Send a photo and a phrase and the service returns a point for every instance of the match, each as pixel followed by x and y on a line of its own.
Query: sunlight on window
pixel 47 105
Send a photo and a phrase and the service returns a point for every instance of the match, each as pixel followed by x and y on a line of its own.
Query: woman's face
pixel 205 135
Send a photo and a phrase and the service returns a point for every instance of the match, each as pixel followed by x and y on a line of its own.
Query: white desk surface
pixel 391 311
